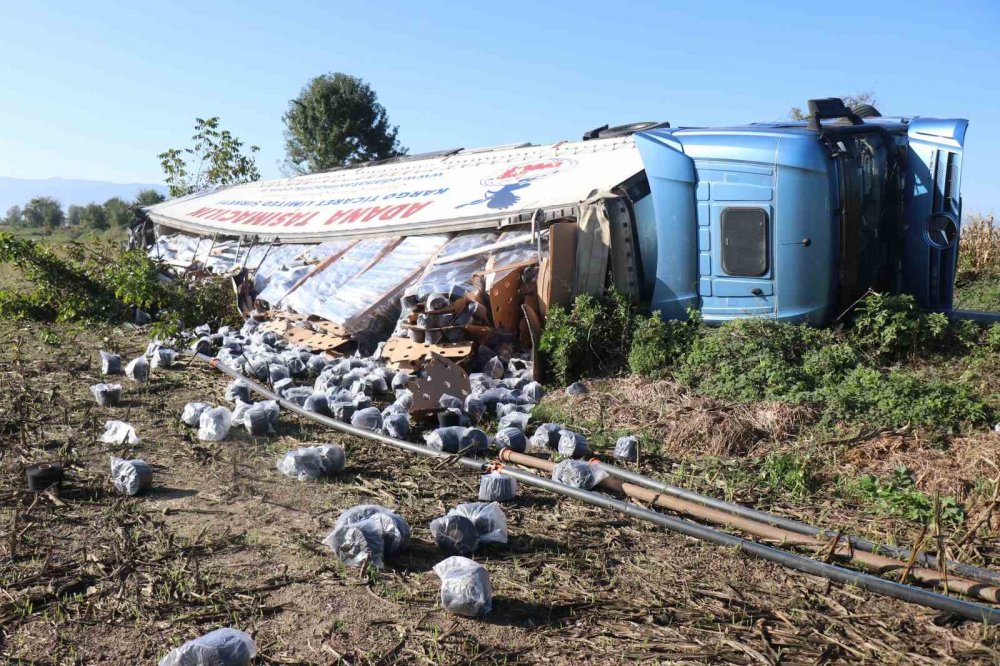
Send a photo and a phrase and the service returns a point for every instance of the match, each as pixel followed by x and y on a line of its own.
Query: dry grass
pixel 87 577
pixel 980 247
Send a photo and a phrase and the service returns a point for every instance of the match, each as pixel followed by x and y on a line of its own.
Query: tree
pixel 73 215
pixel 92 216
pixel 215 159
pixel 149 197
pixel 337 120
pixel 117 212
pixel 850 101
pixel 14 217
pixel 44 212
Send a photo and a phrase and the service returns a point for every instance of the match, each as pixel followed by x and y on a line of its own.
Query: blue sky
pixel 97 89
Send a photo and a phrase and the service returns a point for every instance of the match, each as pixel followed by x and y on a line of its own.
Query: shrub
pixel 993 337
pixel 753 359
pixel 787 473
pixel 657 345
pixel 594 336
pixel 898 398
pixel 893 327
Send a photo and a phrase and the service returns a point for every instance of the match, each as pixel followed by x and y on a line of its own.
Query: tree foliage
pixel 216 158
pixel 14 217
pixel 73 215
pixel 149 197
pixel 93 217
pixel 850 101
pixel 118 212
pixel 337 120
pixel 43 212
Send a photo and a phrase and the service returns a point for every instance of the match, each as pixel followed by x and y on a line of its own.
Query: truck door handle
pixel 757 291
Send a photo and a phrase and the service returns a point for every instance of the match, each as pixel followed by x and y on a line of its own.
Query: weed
pixel 657 345
pixel 893 327
pixel 897 495
pixel 788 474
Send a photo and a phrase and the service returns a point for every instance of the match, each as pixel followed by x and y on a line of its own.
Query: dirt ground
pixel 89 577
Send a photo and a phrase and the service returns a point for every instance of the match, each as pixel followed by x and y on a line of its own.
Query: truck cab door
pixel 932 210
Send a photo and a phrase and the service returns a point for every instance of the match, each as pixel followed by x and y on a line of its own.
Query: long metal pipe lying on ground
pixel 840 548
pixel 908 593
pixel 898 552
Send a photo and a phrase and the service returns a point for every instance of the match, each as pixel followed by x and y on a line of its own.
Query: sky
pixel 96 90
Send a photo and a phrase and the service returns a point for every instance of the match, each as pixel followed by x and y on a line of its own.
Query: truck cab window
pixel 744 241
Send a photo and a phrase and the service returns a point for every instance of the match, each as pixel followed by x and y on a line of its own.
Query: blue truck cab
pixel 797 220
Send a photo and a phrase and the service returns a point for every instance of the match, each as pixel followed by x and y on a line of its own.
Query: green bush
pixel 894 328
pixel 94 283
pixel 788 474
pixel 898 398
pixel 753 359
pixel 657 345
pixel 593 337
pixel 993 337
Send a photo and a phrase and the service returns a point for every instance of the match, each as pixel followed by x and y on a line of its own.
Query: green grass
pixel 980 294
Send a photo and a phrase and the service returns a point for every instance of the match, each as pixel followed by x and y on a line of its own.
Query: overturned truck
pixel 439 252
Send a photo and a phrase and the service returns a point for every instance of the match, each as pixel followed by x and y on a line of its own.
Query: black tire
pixel 866 111
pixel 628 129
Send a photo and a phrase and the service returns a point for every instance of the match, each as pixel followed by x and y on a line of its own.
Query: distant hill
pixel 68 191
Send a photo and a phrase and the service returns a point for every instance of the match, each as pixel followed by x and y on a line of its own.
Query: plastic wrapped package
pixel 491 397
pixel 283 385
pixel 319 403
pixel 239 412
pixel 369 418
pixel 496 487
pixel 107 395
pixel 479 382
pixel 511 438
pixel 343 410
pixel 163 357
pixel 545 437
pixel 571 444
pixel 298 394
pixel 454 277
pixel 309 463
pixel 578 473
pixel 474 408
pixel 272 261
pixel 202 345
pixel 474 441
pixel 192 412
pixel 396 425
pixel 505 408
pixel 257 420
pixel 627 448
pixel 222 647
pixel 514 383
pixel 489 519
pixel 277 372
pixel 512 255
pixel 400 380
pixel 494 368
pixel 368 533
pixel 517 420
pixel 455 534
pixel 203 329
pixel 447 440
pixel 316 365
pixel 131 477
pixel 214 424
pixel 446 401
pixel 111 364
pixel 238 390
pixel 577 388
pixel 119 432
pixel 279 283
pixel 405 398
pixel 533 391
pixel 465 586
pixel 450 417
pixel 138 369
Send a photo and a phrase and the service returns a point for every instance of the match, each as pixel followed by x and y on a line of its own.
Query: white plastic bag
pixel 455 534
pixel 578 473
pixel 465 586
pixel 119 432
pixel 222 647
pixel 131 477
pixel 111 364
pixel 309 463
pixel 368 533
pixel 488 517
pixel 497 487
pixel 214 424
pixel 192 412
pixel 138 369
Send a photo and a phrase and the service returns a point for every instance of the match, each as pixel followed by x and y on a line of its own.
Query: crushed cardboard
pixel 441 376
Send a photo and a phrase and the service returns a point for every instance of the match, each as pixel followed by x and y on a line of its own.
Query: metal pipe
pixel 908 593
pixel 837 547
pixel 897 552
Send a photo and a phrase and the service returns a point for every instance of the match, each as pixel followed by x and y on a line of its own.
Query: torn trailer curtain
pixel 452 192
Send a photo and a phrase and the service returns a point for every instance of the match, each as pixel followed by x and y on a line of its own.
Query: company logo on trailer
pixel 518 177
pixel 532 170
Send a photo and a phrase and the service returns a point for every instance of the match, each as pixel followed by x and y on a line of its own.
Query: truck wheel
pixel 866 111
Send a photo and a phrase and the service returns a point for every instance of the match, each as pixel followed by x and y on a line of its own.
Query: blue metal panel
pixel 672 185
pixel 704 263
pixel 704 239
pixel 703 192
pixel 704 215
pixel 705 287
pixel 738 287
